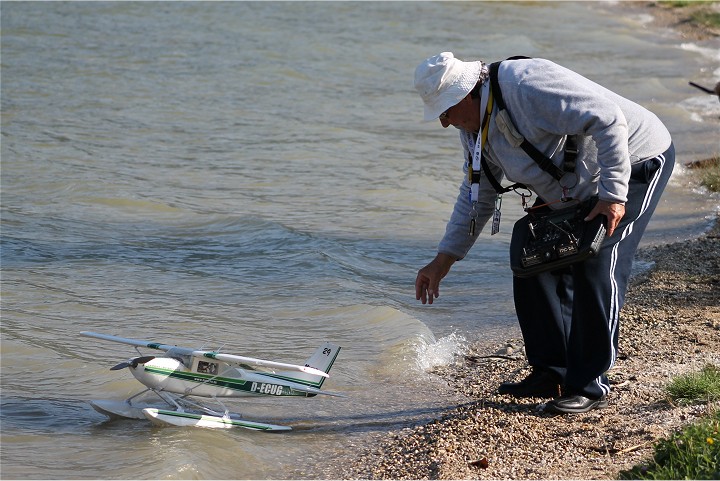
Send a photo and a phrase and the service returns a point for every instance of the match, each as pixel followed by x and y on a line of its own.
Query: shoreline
pixel 670 325
pixel 665 15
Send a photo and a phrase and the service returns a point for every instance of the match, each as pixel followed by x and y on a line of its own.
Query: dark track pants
pixel 570 319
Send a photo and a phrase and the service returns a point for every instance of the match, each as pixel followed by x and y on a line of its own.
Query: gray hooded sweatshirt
pixel 546 103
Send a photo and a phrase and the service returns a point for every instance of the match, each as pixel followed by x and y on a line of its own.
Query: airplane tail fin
pixel 322 359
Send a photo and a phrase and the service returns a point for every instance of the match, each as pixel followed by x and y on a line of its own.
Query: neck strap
pixel 544 162
pixel 515 138
pixel 476 145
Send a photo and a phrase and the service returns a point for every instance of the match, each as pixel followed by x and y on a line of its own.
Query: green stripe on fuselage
pixel 252 387
pixel 304 382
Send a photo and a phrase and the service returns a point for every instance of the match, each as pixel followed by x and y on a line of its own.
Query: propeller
pixel 132 362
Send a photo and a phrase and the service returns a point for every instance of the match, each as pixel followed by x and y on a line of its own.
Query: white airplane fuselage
pixel 210 379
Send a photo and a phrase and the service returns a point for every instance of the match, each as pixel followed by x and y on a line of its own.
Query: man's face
pixel 463 115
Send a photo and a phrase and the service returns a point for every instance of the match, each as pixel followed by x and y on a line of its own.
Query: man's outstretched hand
pixel 427 282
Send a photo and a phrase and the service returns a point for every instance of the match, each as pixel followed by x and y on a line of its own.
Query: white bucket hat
pixel 443 80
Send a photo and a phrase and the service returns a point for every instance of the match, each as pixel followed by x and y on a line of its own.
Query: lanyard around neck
pixel 476 145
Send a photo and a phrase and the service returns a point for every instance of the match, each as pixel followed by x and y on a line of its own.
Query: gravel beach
pixel 670 325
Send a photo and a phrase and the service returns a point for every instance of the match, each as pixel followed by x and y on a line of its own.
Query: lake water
pixel 257 176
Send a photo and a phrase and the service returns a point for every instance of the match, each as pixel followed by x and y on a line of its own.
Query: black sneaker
pixel 539 383
pixel 575 404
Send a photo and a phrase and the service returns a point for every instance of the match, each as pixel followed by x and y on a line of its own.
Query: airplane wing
pixel 230 358
pixel 132 342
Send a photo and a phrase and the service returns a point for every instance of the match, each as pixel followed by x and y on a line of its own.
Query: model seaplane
pixel 182 374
